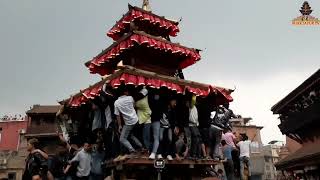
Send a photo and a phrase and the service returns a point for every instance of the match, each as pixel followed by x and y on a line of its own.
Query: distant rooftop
pixel 243 122
pixel 240 121
pixel 44 109
pixel 302 88
pixel 11 120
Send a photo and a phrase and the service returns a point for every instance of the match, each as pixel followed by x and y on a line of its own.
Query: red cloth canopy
pixel 191 55
pixel 136 79
pixel 138 14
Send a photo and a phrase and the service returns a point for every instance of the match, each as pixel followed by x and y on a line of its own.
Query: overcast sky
pixel 249 44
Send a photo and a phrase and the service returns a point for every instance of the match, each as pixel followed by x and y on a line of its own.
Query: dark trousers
pixel 83 178
pixel 96 177
pixel 236 162
pixel 229 168
pixel 205 136
pixel 195 142
pixel 112 143
pixel 187 133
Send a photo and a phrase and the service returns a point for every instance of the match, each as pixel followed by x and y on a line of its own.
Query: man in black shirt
pixel 36 162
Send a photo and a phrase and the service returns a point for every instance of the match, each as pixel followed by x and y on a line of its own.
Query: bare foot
pixel 178 158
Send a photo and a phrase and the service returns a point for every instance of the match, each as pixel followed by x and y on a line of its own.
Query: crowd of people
pixel 71 162
pixel 163 117
pixel 236 153
pixel 131 122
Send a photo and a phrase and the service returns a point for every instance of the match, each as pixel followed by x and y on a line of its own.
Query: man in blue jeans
pixel 244 147
pixel 167 124
pixel 220 121
pixel 157 104
pixel 124 107
pixel 228 162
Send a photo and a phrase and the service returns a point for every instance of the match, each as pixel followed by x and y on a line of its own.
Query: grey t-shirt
pixel 84 159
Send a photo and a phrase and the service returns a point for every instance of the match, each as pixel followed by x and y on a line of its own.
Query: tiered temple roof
pixel 143 46
pixel 132 76
pixel 142 40
pixel 145 21
pixel 144 51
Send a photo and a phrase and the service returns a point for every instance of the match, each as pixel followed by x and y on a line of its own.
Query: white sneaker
pixel 159 156
pixel 152 156
pixel 169 157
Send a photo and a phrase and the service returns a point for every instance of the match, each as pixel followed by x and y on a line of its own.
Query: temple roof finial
pixel 146 5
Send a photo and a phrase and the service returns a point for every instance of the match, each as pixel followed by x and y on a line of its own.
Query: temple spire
pixel 146 5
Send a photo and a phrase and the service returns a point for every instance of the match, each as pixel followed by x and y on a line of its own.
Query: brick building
pixel 10 133
pixel 12 156
pixel 40 123
pixel 43 125
pixel 242 125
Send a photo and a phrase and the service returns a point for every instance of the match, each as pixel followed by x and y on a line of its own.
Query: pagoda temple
pixel 142 45
pixel 142 54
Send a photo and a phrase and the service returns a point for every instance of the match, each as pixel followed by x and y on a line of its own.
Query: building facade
pixel 12 156
pixel 10 131
pixel 242 125
pixel 271 157
pixel 43 125
pixel 300 120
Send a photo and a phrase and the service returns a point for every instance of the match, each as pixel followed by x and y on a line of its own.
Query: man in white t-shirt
pixel 124 107
pixel 244 147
